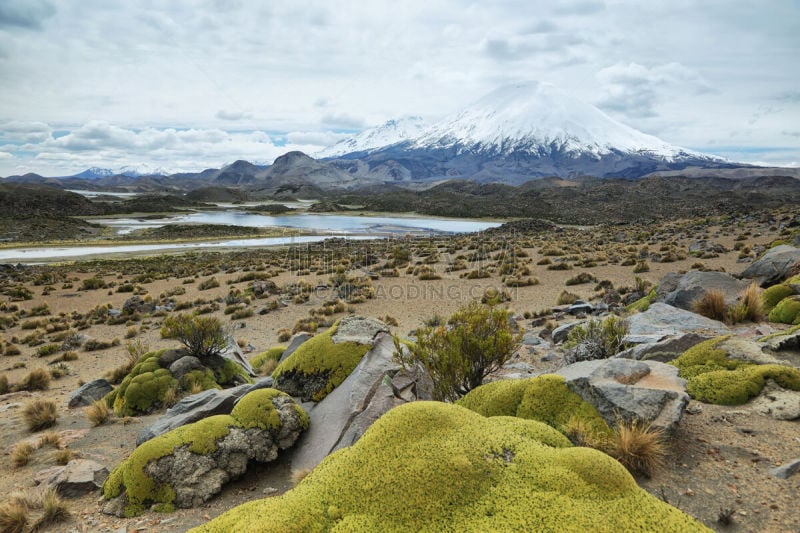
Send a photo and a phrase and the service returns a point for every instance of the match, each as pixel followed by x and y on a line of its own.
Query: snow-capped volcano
pixel 531 116
pixel 131 171
pixel 388 133
pixel 517 133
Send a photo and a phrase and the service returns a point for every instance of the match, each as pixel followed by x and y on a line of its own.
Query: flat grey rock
pixel 74 480
pixel 786 471
pixel 561 333
pixel 358 329
pixel 294 343
pixel 648 392
pixel 89 392
pixel 773 266
pixel 669 321
pixel 684 291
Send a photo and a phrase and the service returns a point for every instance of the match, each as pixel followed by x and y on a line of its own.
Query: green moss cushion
pixel 256 409
pixel 714 378
pixel 143 389
pixel 318 366
pixel 787 311
pixel 545 398
pixel 772 295
pixel 429 466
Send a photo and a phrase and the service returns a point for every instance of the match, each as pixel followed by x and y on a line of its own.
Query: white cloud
pixel 28 14
pixel 232 115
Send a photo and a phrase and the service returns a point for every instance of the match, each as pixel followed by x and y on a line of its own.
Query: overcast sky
pixel 192 84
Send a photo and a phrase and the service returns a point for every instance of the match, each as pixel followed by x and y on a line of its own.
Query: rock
pixel 89 392
pixel 702 246
pixel 580 307
pixel 193 408
pixel 189 465
pixel 358 329
pixel 783 343
pixel 786 471
pixel 773 266
pixel 168 357
pixel 779 403
pixel 561 333
pixel 234 353
pixel 663 350
pixel 662 320
pixel 531 339
pixel 75 479
pixel 135 304
pixel 343 415
pixel 262 287
pixel 294 343
pixel 690 287
pixel 184 365
pixel 648 392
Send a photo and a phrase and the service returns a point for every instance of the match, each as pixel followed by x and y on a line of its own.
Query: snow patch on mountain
pixel 538 117
pixel 389 133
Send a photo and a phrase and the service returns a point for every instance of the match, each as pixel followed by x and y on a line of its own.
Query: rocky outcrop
pixel 683 291
pixel 74 480
pixel 773 266
pixel 376 385
pixel 661 321
pixel 635 391
pixel 89 392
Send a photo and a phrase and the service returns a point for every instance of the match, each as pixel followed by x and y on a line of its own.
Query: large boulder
pixel 375 385
pixel 431 466
pixel 646 392
pixel 294 343
pixel 662 320
pixel 188 465
pixel 75 479
pixel 358 329
pixel 773 266
pixel 683 291
pixel 89 392
pixel 664 350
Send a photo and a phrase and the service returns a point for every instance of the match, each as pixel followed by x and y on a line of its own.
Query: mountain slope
pixel 388 133
pixel 521 132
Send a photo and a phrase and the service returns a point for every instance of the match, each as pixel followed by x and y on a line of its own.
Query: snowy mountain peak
pixel 142 169
pixel 95 173
pixel 391 132
pixel 533 116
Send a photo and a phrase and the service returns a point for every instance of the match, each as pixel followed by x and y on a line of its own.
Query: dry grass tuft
pixel 37 379
pixel 21 455
pixel 751 298
pixel 299 475
pixel 268 367
pixel 171 397
pixel 63 456
pixel 711 305
pixel 98 412
pixel 40 414
pixel 51 438
pixel 13 516
pixel 640 448
pixel 53 509
pixel 582 434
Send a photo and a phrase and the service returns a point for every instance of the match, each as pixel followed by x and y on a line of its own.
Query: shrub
pixel 583 277
pixel 242 313
pixel 202 336
pixel 63 456
pixel 53 509
pixel 566 298
pixel 711 305
pixel 47 349
pixel 98 412
pixel 640 267
pixel 284 335
pixel 640 448
pixel 595 339
pixel 4 387
pixel 40 414
pixel 210 283
pixel 476 341
pixel 91 284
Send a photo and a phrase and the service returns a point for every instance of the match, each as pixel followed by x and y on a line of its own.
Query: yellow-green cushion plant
pixel 431 466
pixel 205 379
pixel 320 365
pixel 714 378
pixel 773 295
pixel 642 304
pixel 544 398
pixel 273 353
pixel 253 410
pixel 143 388
pixel 787 311
pixel 225 374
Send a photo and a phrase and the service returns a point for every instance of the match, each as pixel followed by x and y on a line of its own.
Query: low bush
pixel 595 339
pixel 40 414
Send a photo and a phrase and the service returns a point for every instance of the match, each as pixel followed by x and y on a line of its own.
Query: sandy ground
pixel 698 480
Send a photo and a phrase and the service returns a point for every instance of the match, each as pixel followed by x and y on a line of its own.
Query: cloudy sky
pixel 192 84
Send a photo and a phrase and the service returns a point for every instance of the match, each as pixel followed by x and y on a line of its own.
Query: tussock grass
pixel 40 414
pixel 21 454
pixel 711 305
pixel 98 412
pixel 14 516
pixel 640 448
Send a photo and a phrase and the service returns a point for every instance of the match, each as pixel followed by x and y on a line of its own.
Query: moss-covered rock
pixel 145 387
pixel 545 398
pixel 318 366
pixel 787 311
pixel 643 304
pixel 714 377
pixel 273 354
pixel 189 464
pixel 429 466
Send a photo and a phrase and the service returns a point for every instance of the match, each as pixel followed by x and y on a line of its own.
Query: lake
pixel 327 226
